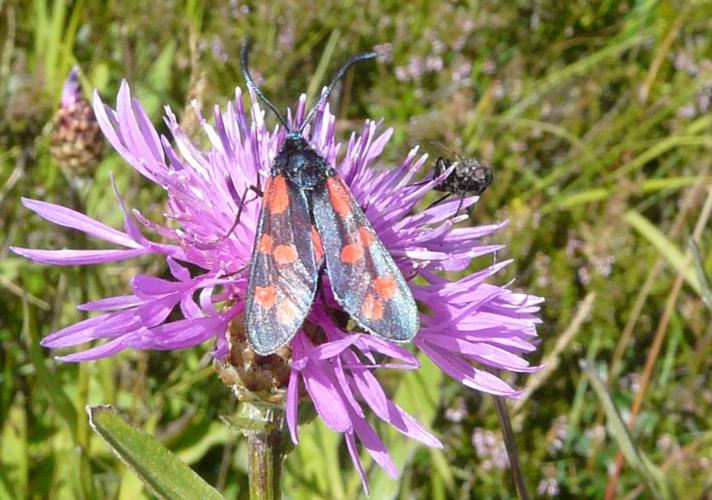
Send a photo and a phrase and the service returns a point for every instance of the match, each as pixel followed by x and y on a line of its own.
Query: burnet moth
pixel 310 221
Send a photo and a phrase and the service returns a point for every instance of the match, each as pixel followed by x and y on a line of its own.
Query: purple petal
pixel 155 312
pixel 146 286
pixel 326 398
pixel 72 91
pixel 148 132
pixel 345 387
pixel 129 224
pixel 102 351
pixel 69 218
pixel 99 327
pixel 372 392
pixel 111 303
pixel 132 134
pixel 178 271
pixel 466 373
pixel 183 333
pixel 356 459
pixel 410 427
pixel 111 129
pixel 78 257
pixel 188 306
pixel 293 405
pixel 482 352
pixel 332 349
pixel 389 349
pixel 374 446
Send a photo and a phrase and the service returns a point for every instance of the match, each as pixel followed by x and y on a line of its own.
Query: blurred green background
pixel 596 119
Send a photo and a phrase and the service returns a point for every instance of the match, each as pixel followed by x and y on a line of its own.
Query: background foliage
pixel 596 119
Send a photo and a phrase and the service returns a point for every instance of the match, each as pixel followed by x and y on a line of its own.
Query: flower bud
pixel 76 142
pixel 254 377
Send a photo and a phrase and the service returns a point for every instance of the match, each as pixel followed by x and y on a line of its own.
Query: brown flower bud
pixel 254 377
pixel 76 141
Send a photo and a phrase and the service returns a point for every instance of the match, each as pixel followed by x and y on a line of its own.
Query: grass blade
pixel 48 381
pixel 648 472
pixel 160 470
pixel 320 72
pixel 666 247
pixel 705 288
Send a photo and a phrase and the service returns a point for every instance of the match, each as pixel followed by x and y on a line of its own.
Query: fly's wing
pixel 364 278
pixel 283 269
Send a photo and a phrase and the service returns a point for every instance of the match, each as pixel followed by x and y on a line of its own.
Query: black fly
pixel 469 175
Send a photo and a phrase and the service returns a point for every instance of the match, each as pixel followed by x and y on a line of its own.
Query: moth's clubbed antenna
pixel 251 83
pixel 339 75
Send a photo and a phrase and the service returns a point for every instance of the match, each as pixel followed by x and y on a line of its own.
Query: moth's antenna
pixel 251 82
pixel 339 75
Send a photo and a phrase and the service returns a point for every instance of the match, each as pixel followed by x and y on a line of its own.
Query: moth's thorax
pixel 298 161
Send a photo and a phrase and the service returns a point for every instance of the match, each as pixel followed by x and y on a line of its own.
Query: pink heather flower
pixel 469 322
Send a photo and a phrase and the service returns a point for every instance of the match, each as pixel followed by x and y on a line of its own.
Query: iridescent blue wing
pixel 365 280
pixel 283 268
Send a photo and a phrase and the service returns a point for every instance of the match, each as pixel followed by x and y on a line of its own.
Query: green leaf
pixel 48 381
pixel 651 475
pixel 666 247
pixel 157 467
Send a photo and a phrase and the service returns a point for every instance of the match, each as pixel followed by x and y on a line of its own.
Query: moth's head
pixel 295 136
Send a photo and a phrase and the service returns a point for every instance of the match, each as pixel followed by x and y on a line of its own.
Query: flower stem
pixel 510 443
pixel 265 464
pixel 262 424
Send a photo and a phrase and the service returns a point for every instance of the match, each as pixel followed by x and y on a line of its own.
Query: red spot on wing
pixel 318 247
pixel 285 254
pixel 264 244
pixel 277 195
pixel 385 286
pixel 372 308
pixel 265 296
pixel 286 312
pixel 352 253
pixel 367 237
pixel 339 196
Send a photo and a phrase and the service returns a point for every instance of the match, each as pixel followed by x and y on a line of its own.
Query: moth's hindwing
pixel 283 269
pixel 363 276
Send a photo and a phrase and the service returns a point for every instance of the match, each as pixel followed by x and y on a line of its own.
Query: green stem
pixel 83 433
pixel 510 443
pixel 263 426
pixel 265 465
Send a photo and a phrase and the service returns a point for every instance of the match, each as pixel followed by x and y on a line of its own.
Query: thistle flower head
pixel 469 322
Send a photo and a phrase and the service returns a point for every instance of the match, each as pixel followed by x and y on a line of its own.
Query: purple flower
pixel 72 90
pixel 468 320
